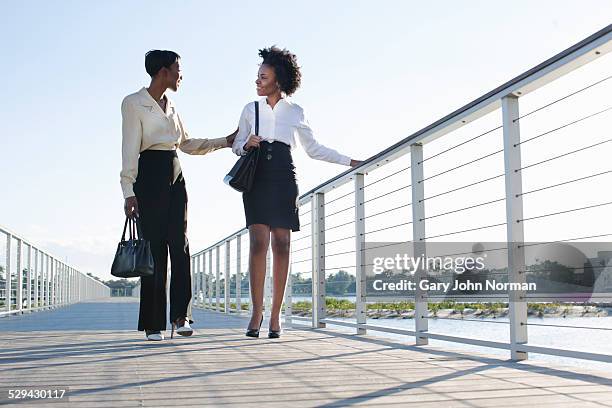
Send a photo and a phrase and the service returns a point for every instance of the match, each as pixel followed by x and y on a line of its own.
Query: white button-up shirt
pixel 281 124
pixel 147 127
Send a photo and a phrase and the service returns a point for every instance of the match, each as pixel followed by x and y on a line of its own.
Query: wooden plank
pixel 78 347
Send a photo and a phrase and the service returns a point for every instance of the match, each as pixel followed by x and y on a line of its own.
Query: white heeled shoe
pixel 184 330
pixel 154 336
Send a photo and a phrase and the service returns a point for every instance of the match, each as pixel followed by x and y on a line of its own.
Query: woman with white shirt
pixel 271 207
pixel 154 191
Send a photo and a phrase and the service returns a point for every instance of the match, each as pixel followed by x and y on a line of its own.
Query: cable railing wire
pixel 386 194
pixel 339 240
pixel 390 227
pixel 561 99
pixel 464 253
pixel 562 127
pixel 340 211
pixel 467 230
pixel 462 319
pixel 464 208
pixel 565 211
pixel 386 245
pixel 385 177
pixel 566 327
pixel 386 211
pixel 339 225
pixel 339 267
pixel 563 155
pixel 300 238
pixel 462 165
pixel 462 143
pixel 462 187
pixel 565 240
pixel 563 183
pixel 340 253
pixel 301 249
pixel 339 198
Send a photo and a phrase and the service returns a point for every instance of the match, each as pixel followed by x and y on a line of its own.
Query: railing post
pixel 9 284
pixel 289 296
pixel 194 282
pixel 19 286
pixel 43 270
pixel 227 276
pixel 70 285
pixel 58 286
pixel 62 282
pixel 318 259
pixel 77 287
pixel 29 277
pixel 268 285
pixel 203 279
pixel 514 227
pixel 48 289
pixel 210 279
pixel 421 311
pixel 218 278
pixel 360 269
pixel 53 281
pixel 36 278
pixel 239 273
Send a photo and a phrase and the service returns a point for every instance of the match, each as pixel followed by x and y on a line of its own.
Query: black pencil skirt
pixel 162 205
pixel 273 199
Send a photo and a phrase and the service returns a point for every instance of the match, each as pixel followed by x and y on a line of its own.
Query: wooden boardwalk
pixel 93 349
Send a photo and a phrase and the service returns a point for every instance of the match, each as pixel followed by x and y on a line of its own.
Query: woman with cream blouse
pixel 154 191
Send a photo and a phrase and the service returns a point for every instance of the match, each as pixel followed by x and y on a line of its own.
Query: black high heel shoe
pixel 274 334
pixel 254 332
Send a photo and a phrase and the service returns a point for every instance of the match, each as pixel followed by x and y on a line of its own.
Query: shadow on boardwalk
pixel 94 349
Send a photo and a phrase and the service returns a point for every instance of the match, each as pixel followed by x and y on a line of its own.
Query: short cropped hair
pixel 158 59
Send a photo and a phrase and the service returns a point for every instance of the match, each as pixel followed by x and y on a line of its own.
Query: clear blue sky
pixel 374 72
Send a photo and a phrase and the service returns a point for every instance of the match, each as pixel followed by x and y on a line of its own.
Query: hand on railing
pixel 355 163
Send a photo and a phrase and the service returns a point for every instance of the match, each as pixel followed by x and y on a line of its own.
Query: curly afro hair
pixel 285 67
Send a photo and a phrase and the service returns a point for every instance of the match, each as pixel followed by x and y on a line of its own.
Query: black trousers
pixel 162 206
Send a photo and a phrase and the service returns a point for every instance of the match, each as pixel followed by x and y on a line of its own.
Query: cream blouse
pixel 147 127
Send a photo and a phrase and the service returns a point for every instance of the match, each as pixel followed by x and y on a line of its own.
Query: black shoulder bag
pixel 241 176
pixel 133 258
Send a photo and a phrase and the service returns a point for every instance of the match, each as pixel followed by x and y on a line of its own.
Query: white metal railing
pixel 349 195
pixel 33 280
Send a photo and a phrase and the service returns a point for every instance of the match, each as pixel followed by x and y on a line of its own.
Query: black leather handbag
pixel 241 176
pixel 133 258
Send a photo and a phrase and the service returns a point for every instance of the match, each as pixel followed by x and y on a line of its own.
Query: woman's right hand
pixel 131 207
pixel 253 141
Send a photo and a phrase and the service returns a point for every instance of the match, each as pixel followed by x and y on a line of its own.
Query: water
pixel 579 339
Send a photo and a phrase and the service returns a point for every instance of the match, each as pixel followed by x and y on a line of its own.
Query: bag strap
pixel 127 219
pixel 256 118
pixel 138 228
pixel 132 230
pixel 135 228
